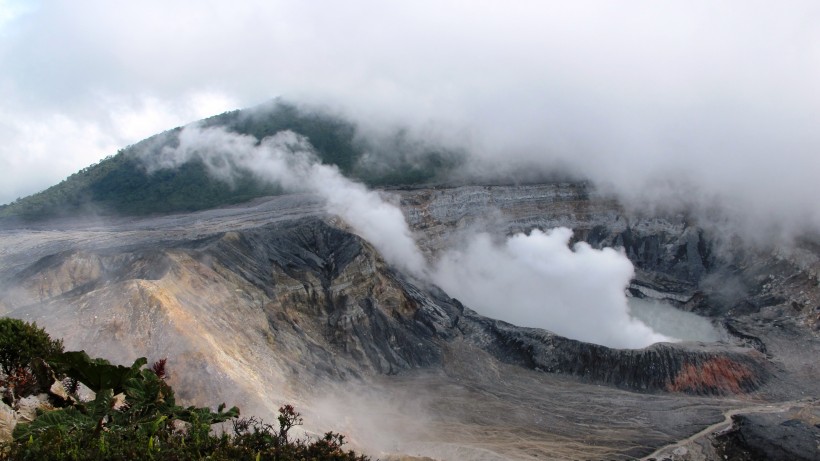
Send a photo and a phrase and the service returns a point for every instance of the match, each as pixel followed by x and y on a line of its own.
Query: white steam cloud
pixel 533 280
pixel 287 159
pixel 536 280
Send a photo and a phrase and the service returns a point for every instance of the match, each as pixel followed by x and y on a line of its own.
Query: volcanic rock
pixel 275 301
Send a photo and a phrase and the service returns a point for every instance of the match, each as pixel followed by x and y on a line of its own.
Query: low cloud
pixel 38 168
pixel 41 148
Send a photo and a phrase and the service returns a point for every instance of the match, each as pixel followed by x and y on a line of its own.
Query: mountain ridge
pixel 122 184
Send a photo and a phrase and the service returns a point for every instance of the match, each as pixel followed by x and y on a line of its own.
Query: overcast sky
pixel 705 102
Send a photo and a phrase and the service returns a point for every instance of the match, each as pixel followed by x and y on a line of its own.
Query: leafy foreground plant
pixel 134 416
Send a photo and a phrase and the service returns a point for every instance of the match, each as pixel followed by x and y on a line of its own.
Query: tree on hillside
pixel 22 342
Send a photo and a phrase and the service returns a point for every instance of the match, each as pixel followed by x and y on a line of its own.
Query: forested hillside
pixel 121 184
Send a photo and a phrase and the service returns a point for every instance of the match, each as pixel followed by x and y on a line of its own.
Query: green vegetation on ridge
pixel 121 184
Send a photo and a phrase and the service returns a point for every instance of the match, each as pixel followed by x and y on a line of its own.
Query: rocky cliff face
pixel 677 261
pixel 691 368
pixel 276 301
pixel 793 436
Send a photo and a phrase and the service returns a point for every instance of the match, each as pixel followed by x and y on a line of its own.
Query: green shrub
pixel 21 342
pixel 24 349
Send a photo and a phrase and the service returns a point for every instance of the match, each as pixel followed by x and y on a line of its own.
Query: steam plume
pixel 287 159
pixel 537 280
pixel 531 280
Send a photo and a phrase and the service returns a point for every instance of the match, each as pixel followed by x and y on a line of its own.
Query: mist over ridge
pixel 128 183
pixel 406 154
pixel 533 280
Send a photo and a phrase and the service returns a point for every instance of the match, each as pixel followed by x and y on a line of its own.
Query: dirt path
pixel 726 424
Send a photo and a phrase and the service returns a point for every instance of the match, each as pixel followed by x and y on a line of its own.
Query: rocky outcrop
pixel 689 368
pixel 770 437
pixel 24 410
pixel 671 255
pixel 327 281
pixel 706 272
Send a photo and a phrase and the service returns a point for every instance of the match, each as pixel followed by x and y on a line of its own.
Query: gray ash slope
pixel 277 301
